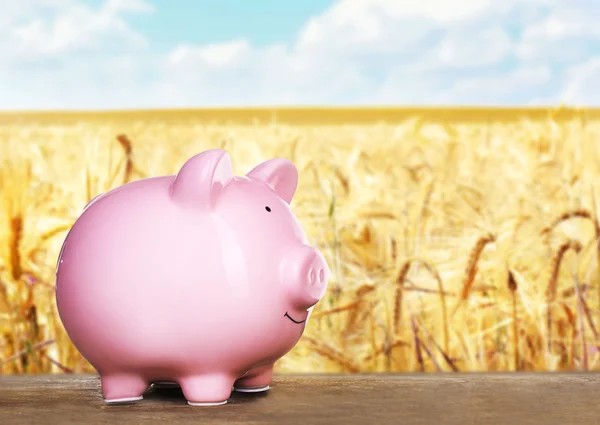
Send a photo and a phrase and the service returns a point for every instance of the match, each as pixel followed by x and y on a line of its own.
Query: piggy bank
pixel 203 278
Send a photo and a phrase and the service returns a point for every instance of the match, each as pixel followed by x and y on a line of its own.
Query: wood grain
pixel 539 398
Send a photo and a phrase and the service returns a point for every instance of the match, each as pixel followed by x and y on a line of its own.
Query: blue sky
pixel 203 22
pixel 122 54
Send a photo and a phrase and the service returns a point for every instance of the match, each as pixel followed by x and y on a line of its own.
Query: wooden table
pixel 434 399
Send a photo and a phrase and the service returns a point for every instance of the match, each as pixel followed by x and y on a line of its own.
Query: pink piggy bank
pixel 204 279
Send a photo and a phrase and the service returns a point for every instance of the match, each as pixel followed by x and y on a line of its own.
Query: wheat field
pixel 456 242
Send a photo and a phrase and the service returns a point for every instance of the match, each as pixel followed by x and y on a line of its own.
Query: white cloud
pixel 215 56
pixel 582 83
pixel 54 28
pixel 359 28
pixel 565 34
pixel 411 52
pixel 66 54
pixel 498 87
pixel 460 49
pixel 358 51
pixel 116 6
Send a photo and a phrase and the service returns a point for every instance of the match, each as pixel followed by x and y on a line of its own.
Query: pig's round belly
pixel 142 288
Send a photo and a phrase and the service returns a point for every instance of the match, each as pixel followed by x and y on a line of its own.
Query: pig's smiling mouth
pixel 295 321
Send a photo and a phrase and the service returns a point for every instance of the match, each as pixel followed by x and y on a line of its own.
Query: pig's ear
pixel 202 178
pixel 280 174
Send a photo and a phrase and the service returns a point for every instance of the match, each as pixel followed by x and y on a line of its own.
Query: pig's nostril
pixel 321 275
pixel 311 275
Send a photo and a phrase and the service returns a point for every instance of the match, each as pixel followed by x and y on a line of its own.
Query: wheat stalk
pixel 417 342
pixel 400 280
pixel 423 213
pixel 579 213
pixel 400 288
pixel 333 355
pixel 581 318
pixel 22 353
pixel 343 180
pixel 444 354
pixel 384 348
pixel 597 237
pixel 16 235
pixel 471 270
pixel 553 283
pixel 351 306
pixel 512 287
pixel 128 150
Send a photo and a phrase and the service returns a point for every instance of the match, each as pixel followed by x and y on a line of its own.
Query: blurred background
pixel 447 154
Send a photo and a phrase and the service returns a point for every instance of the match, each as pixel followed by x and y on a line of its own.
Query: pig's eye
pixel 268 209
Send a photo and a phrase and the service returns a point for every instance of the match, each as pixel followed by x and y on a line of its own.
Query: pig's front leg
pixel 122 388
pixel 206 390
pixel 257 380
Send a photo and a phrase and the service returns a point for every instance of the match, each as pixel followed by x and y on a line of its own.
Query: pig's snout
pixel 315 273
pixel 305 275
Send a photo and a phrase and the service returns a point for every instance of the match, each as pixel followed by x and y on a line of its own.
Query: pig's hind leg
pixel 257 380
pixel 206 390
pixel 123 388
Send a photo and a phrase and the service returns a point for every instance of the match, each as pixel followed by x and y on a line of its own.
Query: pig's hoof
pixel 124 400
pixel 251 389
pixel 217 403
